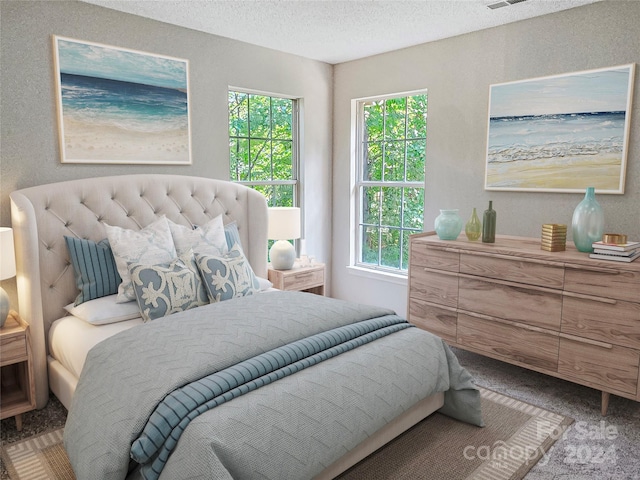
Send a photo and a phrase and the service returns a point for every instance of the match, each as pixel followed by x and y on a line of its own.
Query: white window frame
pixel 295 148
pixel 357 129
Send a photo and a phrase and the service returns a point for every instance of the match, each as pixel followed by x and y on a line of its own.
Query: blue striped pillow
pixel 95 268
pixel 232 235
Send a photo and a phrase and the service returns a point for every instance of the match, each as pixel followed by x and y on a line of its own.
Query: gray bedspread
pixel 290 429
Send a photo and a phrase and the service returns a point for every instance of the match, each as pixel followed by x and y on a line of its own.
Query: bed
pixel 329 381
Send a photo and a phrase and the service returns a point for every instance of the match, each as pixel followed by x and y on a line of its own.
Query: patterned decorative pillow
pixel 168 288
pixel 208 238
pixel 151 245
pixel 227 276
pixel 95 268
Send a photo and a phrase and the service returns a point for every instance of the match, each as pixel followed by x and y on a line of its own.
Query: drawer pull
pixel 592 269
pixel 523 326
pixel 521 286
pixel 440 272
pixel 582 296
pixel 586 340
pixel 512 258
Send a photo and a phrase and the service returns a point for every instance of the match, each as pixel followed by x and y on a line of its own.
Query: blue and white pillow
pixel 208 238
pixel 232 235
pixel 94 267
pixel 168 288
pixel 150 246
pixel 227 276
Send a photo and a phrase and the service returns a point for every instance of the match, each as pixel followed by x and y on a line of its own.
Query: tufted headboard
pixel 41 216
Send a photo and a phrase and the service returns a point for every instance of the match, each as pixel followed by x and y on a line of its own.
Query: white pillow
pixel 151 245
pixel 264 283
pixel 208 238
pixel 104 310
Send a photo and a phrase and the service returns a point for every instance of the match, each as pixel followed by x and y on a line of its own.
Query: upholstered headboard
pixel 42 215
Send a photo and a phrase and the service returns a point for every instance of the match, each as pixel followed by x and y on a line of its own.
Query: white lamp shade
pixel 7 268
pixel 7 254
pixel 284 223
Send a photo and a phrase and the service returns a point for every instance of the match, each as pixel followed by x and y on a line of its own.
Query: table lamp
pixel 7 269
pixel 284 225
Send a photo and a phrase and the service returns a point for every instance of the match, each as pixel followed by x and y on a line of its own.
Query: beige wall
pixel 457 73
pixel 29 150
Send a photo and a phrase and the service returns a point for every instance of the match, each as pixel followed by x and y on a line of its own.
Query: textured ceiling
pixel 336 31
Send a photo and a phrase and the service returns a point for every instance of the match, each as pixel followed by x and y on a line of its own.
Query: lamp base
pixel 282 255
pixel 4 306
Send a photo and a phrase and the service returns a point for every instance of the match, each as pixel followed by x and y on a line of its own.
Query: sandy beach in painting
pixel 110 144
pixel 601 171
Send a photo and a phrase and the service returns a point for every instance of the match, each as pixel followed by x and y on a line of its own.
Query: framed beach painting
pixel 119 106
pixel 561 133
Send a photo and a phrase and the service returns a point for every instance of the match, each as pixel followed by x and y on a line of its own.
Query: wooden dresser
pixel 559 313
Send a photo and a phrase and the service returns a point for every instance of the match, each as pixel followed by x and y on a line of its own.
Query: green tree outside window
pixel 263 145
pixel 390 181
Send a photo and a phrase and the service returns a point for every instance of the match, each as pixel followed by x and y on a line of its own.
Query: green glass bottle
pixel 489 224
pixel 473 228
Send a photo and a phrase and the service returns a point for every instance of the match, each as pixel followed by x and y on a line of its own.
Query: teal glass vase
pixel 448 224
pixel 587 223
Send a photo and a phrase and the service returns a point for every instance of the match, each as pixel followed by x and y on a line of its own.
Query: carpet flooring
pixel 594 447
pixel 515 437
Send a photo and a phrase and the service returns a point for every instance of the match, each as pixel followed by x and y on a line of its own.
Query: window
pixel 391 137
pixel 263 145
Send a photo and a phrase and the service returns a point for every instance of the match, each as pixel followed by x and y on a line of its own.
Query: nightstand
pixel 17 387
pixel 306 279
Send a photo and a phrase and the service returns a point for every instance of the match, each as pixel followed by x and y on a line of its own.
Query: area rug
pixel 516 436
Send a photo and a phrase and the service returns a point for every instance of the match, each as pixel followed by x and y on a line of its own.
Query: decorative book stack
pixel 617 252
pixel 554 237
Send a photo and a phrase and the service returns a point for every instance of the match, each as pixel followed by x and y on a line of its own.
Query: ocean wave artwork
pixel 561 133
pixel 121 106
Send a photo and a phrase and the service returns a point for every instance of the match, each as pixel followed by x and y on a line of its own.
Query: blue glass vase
pixel 588 222
pixel 448 224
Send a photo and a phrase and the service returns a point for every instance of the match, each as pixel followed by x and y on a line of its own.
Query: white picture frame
pixel 121 106
pixel 560 133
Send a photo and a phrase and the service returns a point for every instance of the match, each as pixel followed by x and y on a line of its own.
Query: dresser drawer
pixel 304 279
pixel 614 368
pixel 619 283
pixel 508 342
pixel 617 323
pixel 437 320
pixel 436 258
pixel 537 307
pixel 434 287
pixel 13 349
pixel 513 270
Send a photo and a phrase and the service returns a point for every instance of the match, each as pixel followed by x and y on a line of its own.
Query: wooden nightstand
pixel 306 279
pixel 17 388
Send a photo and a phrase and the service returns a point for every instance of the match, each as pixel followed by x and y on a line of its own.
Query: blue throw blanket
pixel 173 414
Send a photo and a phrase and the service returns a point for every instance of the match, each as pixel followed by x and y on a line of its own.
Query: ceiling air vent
pixel 504 3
